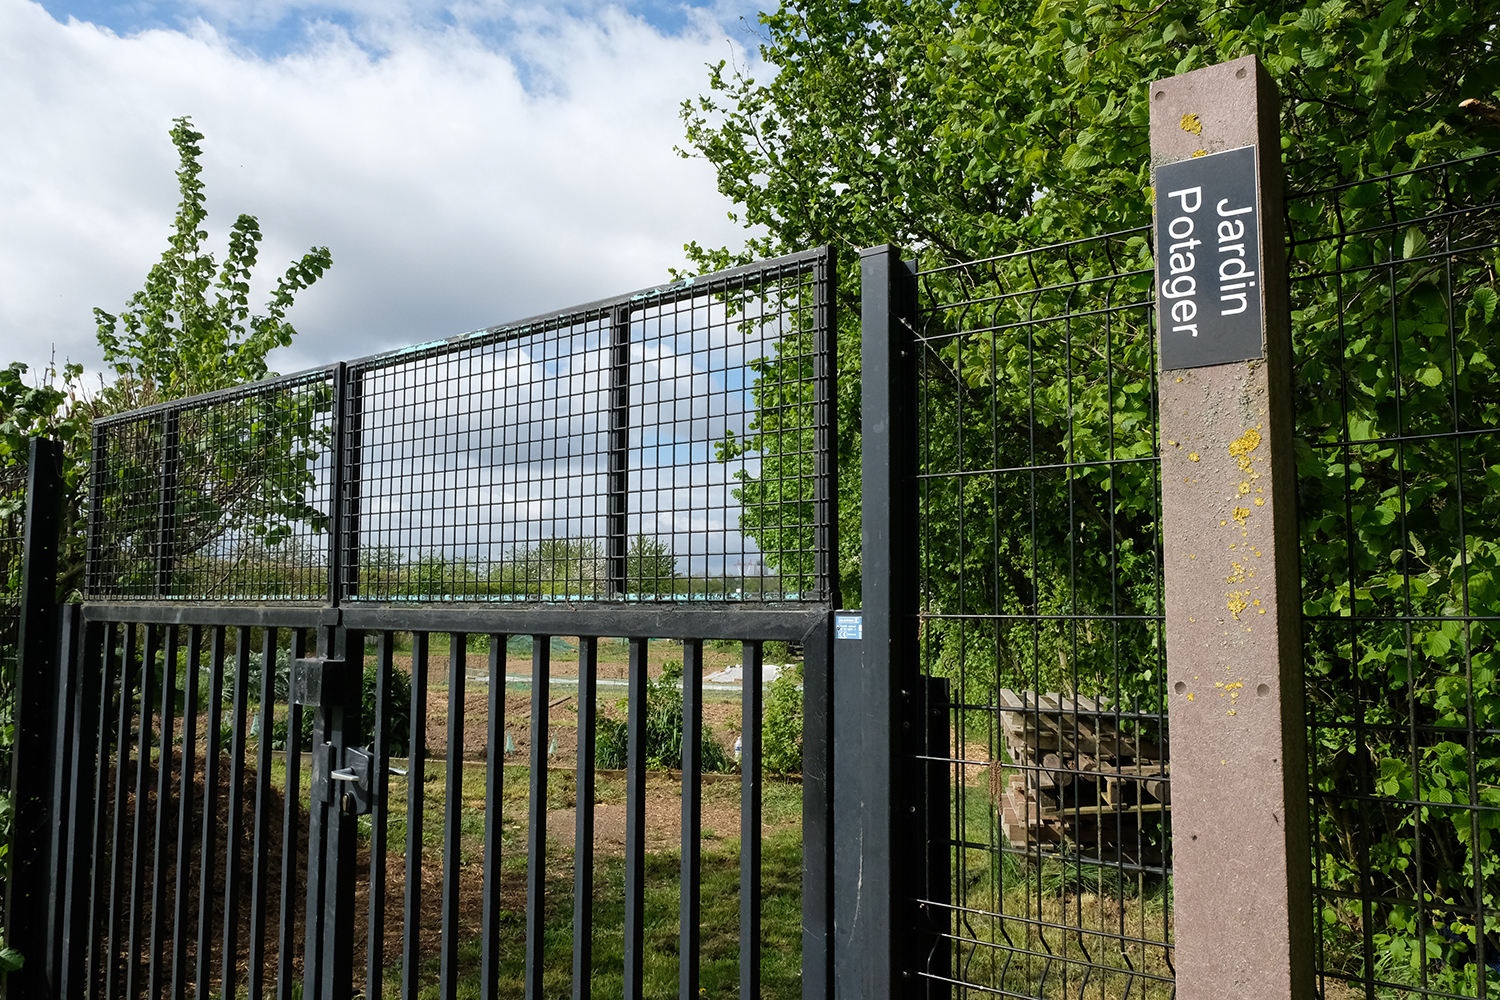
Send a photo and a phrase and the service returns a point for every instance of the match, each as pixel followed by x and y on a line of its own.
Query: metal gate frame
pixel 77 716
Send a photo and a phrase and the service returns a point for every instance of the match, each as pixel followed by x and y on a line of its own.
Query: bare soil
pixel 720 819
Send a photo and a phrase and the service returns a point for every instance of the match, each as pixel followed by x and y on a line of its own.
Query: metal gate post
pixel 880 934
pixel 30 884
pixel 331 684
pixel 1241 868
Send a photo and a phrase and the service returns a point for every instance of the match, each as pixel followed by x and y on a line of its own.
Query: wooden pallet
pixel 1074 779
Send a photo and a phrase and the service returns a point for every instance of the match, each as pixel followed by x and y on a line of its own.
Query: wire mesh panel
pixel 224 497
pixel 664 446
pixel 1041 606
pixel 1394 296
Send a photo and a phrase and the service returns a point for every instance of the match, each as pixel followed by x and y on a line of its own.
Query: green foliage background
pixel 960 131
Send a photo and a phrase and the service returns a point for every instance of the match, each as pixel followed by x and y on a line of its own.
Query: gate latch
pixel 351 787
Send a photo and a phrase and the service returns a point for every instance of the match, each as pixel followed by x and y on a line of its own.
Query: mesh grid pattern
pixel 673 445
pixel 1393 295
pixel 12 525
pixel 224 497
pixel 1041 594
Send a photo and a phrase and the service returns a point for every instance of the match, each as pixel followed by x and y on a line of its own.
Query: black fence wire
pixel 1042 607
pixel 666 446
pixel 1394 295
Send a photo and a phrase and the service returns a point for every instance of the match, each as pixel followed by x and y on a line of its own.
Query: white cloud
pixel 478 167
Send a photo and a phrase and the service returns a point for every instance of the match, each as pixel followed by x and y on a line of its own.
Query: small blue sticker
pixel 849 626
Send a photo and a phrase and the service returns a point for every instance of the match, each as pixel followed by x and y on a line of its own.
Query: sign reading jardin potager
pixel 1208 271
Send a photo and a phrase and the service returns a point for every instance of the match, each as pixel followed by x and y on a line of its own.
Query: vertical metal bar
pixel 878 944
pixel 752 708
pixel 130 673
pixel 101 912
pixel 336 487
pixel 136 935
pixel 337 916
pixel 583 838
pixel 35 695
pixel 235 843
pixel 1239 774
pixel 379 817
pixel 290 817
pixel 351 436
pixel 260 862
pixel 166 507
pixel 453 810
pixel 93 551
pixel 826 426
pixel 208 856
pixel 536 833
pixel 314 953
pixel 933 776
pixel 61 794
pixel 157 970
pixel 494 799
pixel 416 775
pixel 635 823
pixel 817 810
pixel 617 528
pixel 180 918
pixel 80 871
pixel 689 933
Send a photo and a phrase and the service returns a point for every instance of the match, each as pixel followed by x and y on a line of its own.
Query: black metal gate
pixel 270 568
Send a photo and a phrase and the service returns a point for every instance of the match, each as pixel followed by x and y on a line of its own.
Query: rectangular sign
pixel 1208 266
pixel 848 626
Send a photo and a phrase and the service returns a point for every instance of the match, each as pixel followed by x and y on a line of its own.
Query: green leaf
pixel 1414 244
pixel 1483 299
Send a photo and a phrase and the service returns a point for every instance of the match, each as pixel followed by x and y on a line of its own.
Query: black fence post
pixel 76 856
pixel 28 889
pixel 826 427
pixel 872 921
pixel 617 542
pixel 166 509
pixel 817 810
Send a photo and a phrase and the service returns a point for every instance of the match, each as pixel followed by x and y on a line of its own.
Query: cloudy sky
pixel 466 164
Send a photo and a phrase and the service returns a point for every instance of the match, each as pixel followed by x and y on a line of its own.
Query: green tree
pixel 959 131
pixel 964 131
pixel 189 330
pixel 650 566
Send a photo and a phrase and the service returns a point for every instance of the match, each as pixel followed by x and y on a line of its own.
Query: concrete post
pixel 1241 875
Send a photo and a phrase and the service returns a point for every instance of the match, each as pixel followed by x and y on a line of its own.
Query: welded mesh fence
pixel 1394 297
pixel 1041 604
pixel 223 497
pixel 670 445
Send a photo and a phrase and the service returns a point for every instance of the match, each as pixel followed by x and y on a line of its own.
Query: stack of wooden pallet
pixel 1073 780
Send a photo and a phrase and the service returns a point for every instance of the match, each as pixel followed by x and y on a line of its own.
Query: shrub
pixel 781 732
pixel 663 731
